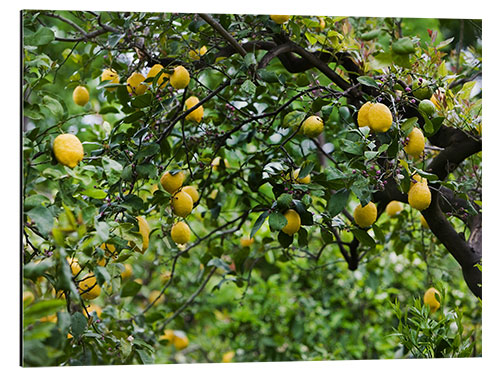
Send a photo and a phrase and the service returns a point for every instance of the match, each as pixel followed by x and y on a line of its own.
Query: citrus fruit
pixel 182 204
pixel 154 295
pixel 216 162
pixel 197 53
pixel 279 19
pixel 427 107
pixel 73 264
pixel 363 114
pixel 179 78
pixel 109 249
pixel 197 114
pixel 172 182
pixel 110 75
pixel 180 340
pixel 127 272
pixel 180 233
pixel 227 357
pixel 303 180
pixel 68 149
pixel 89 289
pixel 81 95
pixel 168 335
pixel 365 216
pixel 380 118
pixel 416 143
pixel 246 241
pixel 191 190
pixel 394 208
pixel 162 79
pixel 419 196
pixel 421 91
pixel 135 84
pixel 417 178
pixel 313 126
pixel 293 222
pixel 431 300
pixel 94 308
pixel 28 297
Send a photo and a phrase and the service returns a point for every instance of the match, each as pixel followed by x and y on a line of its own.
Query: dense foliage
pixel 332 290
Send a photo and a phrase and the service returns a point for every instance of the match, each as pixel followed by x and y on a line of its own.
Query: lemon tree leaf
pixel 112 168
pixel 258 223
pixel 337 202
pixel 277 221
pixel 363 237
pixel 284 239
pixel 78 324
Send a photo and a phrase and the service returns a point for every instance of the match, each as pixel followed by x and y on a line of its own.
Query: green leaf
pixel 408 125
pixel 78 324
pixel 133 117
pixel 277 221
pixel 337 202
pixel 41 309
pixel 368 81
pixel 334 174
pixel 53 106
pixel 363 237
pixel 130 289
pixel 284 239
pixel 284 200
pixel 258 223
pixel 43 218
pixel 41 37
pixel 306 168
pixel 370 35
pixel 142 101
pixel 95 193
pixel 108 109
pixel 249 88
pixel 146 359
pixel 403 46
pixel 381 60
pixel 219 263
pixel 303 240
pixel 34 270
pixel 112 168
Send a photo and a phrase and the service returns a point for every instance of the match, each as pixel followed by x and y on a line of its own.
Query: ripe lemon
pixel 172 182
pixel 81 95
pixel 216 162
pixel 424 222
pixel 68 149
pixel 363 114
pixel 162 79
pixel 191 190
pixel 303 180
pixel 197 114
pixel 144 230
pixel 380 118
pixel 227 357
pixel 135 84
pixel 180 233
pixel 365 216
pixel 394 208
pixel 293 222
pixel 313 126
pixel 279 19
pixel 416 144
pixel 180 340
pixel 154 295
pixel 168 335
pixel 109 249
pixel 246 241
pixel 94 308
pixel 419 196
pixel 417 178
pixel 89 289
pixel 110 75
pixel 197 53
pixel 182 204
pixel 179 78
pixel 73 264
pixel 431 300
pixel 127 272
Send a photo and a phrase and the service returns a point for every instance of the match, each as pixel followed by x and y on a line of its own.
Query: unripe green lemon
pixel 110 75
pixel 191 190
pixel 365 216
pixel 180 78
pixel 180 233
pixel 89 289
pixel 419 196
pixel 363 114
pixel 313 126
pixel 394 208
pixel 422 91
pixel 68 149
pixel 427 107
pixel 293 222
pixel 431 300
pixel 279 19
pixel 172 182
pixel 81 95
pixel 162 79
pixel 379 117
pixel 416 143
pixel 197 114
pixel 135 84
pixel 182 204
pixel 303 180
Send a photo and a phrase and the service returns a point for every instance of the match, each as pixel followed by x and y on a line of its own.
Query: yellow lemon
pixel 424 222
pixel 73 264
pixel 154 295
pixel 279 19
pixel 191 190
pixel 162 79
pixel 144 230
pixel 68 149
pixel 416 144
pixel 365 216
pixel 417 178
pixel 89 289
pixel 127 272
pixel 81 95
pixel 394 208
pixel 180 340
pixel 303 180
pixel 110 75
pixel 180 233
pixel 293 222
pixel 431 300
pixel 168 335
pixel 246 241
pixel 172 182
pixel 197 53
pixel 182 204
pixel 322 23
pixel 94 308
pixel 109 249
pixel 227 357
pixel 135 84
pixel 363 115
pixel 49 318
pixel 216 162
pixel 197 114
pixel 419 196
pixel 165 276
pixel 28 297
pixel 313 126
pixel 379 117
pixel 179 78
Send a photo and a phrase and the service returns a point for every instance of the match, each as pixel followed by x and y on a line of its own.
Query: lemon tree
pixel 239 188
